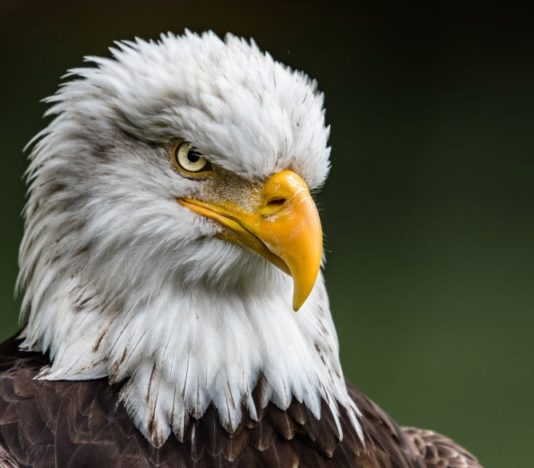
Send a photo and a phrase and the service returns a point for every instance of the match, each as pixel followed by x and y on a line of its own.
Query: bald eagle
pixel 170 237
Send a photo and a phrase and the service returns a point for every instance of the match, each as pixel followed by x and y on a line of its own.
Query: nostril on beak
pixel 276 202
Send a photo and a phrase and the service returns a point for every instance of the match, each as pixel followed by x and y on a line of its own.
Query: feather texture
pixel 438 451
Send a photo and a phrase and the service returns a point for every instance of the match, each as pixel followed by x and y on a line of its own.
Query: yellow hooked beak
pixel 284 228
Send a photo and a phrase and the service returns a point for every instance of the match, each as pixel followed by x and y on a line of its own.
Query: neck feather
pixel 183 350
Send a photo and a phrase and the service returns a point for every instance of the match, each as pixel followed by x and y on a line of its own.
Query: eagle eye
pixel 187 159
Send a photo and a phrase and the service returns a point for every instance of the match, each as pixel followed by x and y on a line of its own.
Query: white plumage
pixel 121 281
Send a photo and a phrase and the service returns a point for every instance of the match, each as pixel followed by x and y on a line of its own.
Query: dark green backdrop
pixel 428 210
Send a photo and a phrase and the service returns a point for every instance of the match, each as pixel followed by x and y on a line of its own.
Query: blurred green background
pixel 428 210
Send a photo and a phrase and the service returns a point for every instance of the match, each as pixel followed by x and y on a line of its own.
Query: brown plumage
pixel 82 424
pixel 439 451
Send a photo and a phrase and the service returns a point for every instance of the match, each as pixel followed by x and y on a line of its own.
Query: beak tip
pixel 298 300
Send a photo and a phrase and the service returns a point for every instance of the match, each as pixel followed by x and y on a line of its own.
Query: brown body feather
pixel 82 424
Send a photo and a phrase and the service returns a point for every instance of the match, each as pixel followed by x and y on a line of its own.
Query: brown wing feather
pixel 55 424
pixel 6 460
pixel 383 434
pixel 439 451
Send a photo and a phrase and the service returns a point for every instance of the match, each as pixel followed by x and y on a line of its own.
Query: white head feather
pixel 121 281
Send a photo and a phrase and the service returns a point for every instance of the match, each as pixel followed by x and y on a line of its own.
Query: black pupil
pixel 193 155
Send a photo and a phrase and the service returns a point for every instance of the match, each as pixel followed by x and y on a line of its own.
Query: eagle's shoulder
pixel 383 436
pixel 52 423
pixel 424 448
pixel 438 450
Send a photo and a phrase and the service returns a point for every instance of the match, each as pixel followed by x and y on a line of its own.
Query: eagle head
pixel 170 232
